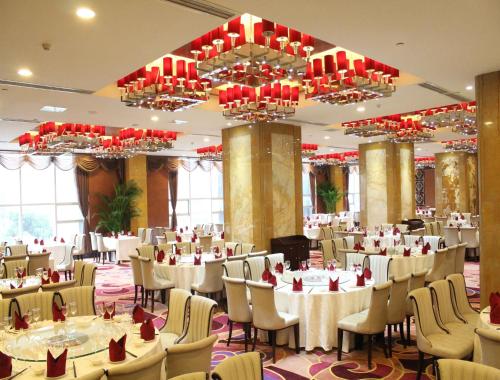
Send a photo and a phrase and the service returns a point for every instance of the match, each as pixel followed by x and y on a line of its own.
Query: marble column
pixel 387 182
pixel 488 122
pixel 136 170
pixel 456 183
pixel 337 179
pixel 262 182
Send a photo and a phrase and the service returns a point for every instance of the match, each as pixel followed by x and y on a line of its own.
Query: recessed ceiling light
pixel 400 44
pixel 419 148
pixel 469 87
pixel 369 141
pixel 206 139
pixel 52 109
pixel 327 137
pixel 332 150
pixel 229 124
pixel 85 13
pixel 24 72
pixel 361 109
pixel 155 118
pixel 176 121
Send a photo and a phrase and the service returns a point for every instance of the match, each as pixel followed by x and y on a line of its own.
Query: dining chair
pixel 170 236
pixel 4 307
pixel 9 267
pixel 37 261
pixel 161 240
pixel 451 236
pixel 78 271
pixel 25 302
pixel 349 241
pixel 432 338
pixel 83 296
pixel 460 258
pixel 190 357
pixel 152 283
pixel 380 267
pixel 238 308
pixel 137 277
pixel 13 293
pixel 201 312
pixel 453 369
pixel 66 265
pixel 102 250
pixel 449 263
pixel 418 232
pixel 469 235
pixel 237 258
pixel 327 251
pixel 417 281
pixel 211 283
pixel 402 227
pixel 147 368
pixel 147 251
pixel 435 228
pixel 206 242
pixel 17 250
pixel 325 233
pixel 459 299
pixel 57 286
pixel 184 246
pixel 247 248
pixel 242 367
pixel 489 343
pixel 88 274
pixel 192 376
pixel 266 317
pixel 396 308
pixel 236 247
pixel 387 226
pixel 256 254
pixel 234 269
pixel 175 326
pixel 78 250
pixel 273 259
pixel 437 271
pixel 368 322
pixel 434 241
pixel 165 247
pixel 96 374
pixel 141 232
pixel 474 219
pixel 428 229
pixel 93 245
pixel 253 267
pixel 148 238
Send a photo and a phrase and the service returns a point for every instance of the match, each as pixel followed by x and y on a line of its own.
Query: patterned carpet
pixel 114 282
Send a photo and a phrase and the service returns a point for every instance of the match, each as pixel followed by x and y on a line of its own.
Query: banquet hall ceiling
pixel 446 43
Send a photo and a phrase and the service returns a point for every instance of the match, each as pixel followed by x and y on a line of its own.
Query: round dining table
pixel 319 309
pixel 483 323
pixel 184 272
pixel 86 338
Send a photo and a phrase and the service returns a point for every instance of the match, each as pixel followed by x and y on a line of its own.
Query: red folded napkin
pixel 147 330
pixel 195 236
pixel 381 234
pixel 360 280
pixel 494 299
pixel 416 242
pixel 197 259
pixel 365 234
pixel 377 243
pixel 45 281
pixel 427 245
pixel 425 250
pixel 55 277
pixel 193 239
pixel 44 250
pixel 358 247
pixel 49 272
pixel 495 314
pixel 407 252
pixel 302 267
pixel 266 274
pixel 181 230
pixel 216 249
pixel 199 251
pixel 55 238
pixel 308 218
pixel 367 273
pixel 56 367
pixel 62 240
pixel 279 267
pixel 57 314
pixel 178 251
pixel 138 314
pixel 23 274
pixel 187 228
pixel 41 242
pixel 117 349
pixel 178 239
pixel 333 286
pixel 272 280
pixel 20 323
pixel 297 285
pixel 5 365
pixel 229 252
pixel 395 231
pixel 110 316
pixel 218 255
pixel 160 256
pixel 222 235
pixel 171 260
pixel 13 287
pixel 331 268
pixel 462 217
pixel 383 252
pixel 36 241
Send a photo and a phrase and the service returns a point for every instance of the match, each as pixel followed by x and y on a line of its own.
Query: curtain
pixel 345 190
pixel 14 162
pixel 82 185
pixel 173 167
pixel 312 186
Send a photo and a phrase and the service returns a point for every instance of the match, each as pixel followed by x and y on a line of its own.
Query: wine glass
pixel 72 308
pixel 64 311
pixel 109 308
pixel 334 263
pixel 35 314
pixel 287 264
pixel 308 263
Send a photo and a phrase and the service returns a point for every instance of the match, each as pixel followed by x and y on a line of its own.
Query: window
pixel 199 196
pixel 39 204
pixel 306 193
pixel 353 190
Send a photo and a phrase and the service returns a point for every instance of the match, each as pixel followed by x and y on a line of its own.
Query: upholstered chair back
pixel 273 259
pixel 417 281
pixel 238 257
pixel 246 366
pixel 148 236
pixel 454 369
pixel 147 272
pixel 148 368
pixel 9 267
pixel 13 293
pixel 36 261
pixel 451 236
pixel 237 302
pixel 327 250
pixel 206 243
pixel 178 311
pixel 460 258
pixel 451 258
pixel 247 248
pixel 147 251
pixel 23 303
pixel 234 269
pixel 469 236
pixel 4 308
pixel 78 271
pixel 88 274
pixel 57 286
pixel 201 312
pixel 93 241
pixel 459 298
pixel 17 250
pixel 265 314
pixel 441 296
pixel 191 357
pixel 254 266
pixel 83 296
pixel 170 236
pixel 166 248
pixel 236 247
pixel 377 311
pixel 396 310
pixel 136 269
pixel 212 277
pixel 437 271
pixel 184 246
pixel 255 254
pixel 490 346
pixel 141 231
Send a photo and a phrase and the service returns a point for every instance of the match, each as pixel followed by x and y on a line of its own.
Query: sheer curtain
pixel 173 165
pixel 82 185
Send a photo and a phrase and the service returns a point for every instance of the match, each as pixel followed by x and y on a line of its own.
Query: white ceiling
pixel 447 43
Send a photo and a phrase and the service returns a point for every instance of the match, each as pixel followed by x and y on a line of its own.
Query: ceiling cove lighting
pixel 85 13
pixel 52 109
pixel 24 72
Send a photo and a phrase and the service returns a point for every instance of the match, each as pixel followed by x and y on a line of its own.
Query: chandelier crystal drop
pixel 425 162
pixel 210 153
pixel 463 145
pixel 461 118
pixel 336 159
pixel 308 150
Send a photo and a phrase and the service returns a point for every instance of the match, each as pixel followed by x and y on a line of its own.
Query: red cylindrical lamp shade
pixel 295 94
pixel 318 68
pixel 237 93
pixel 222 98
pixel 267 28
pixel 295 37
pixel 285 92
pixel 196 46
pixel 329 64
pixel 230 95
pixel 342 65
pixel 307 42
pixel 233 27
pixel 281 33
pixel 192 72
pixel 181 68
pixel 258 37
pixel 167 67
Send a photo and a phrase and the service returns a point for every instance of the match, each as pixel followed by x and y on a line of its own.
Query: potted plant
pixel 117 210
pixel 330 196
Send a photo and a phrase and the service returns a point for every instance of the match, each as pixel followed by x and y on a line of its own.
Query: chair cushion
pixel 450 346
pixel 352 322
pixel 290 319
pixel 472 318
pixel 168 339
pixel 462 330
pixel 62 267
pixel 161 283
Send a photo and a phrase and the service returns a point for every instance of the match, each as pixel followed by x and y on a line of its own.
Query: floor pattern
pixel 114 282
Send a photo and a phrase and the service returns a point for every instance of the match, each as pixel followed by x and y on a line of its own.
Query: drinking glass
pixel 308 263
pixel 303 264
pixel 35 314
pixel 72 308
pixel 109 307
pixel 287 264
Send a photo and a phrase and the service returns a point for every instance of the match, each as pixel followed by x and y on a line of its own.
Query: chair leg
pixel 254 338
pixel 408 336
pixel 142 294
pixel 296 333
pixel 402 334
pixel 247 329
pixel 152 301
pixel 231 333
pixel 389 338
pixel 135 293
pixel 272 338
pixel 145 299
pixel 384 346
pixel 369 352
pixel 420 364
pixel 340 336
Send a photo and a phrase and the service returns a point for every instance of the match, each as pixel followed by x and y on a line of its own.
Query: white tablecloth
pixel 319 311
pixel 312 233
pixel 124 246
pixel 401 265
pixel 184 273
pixel 385 241
pixel 484 323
